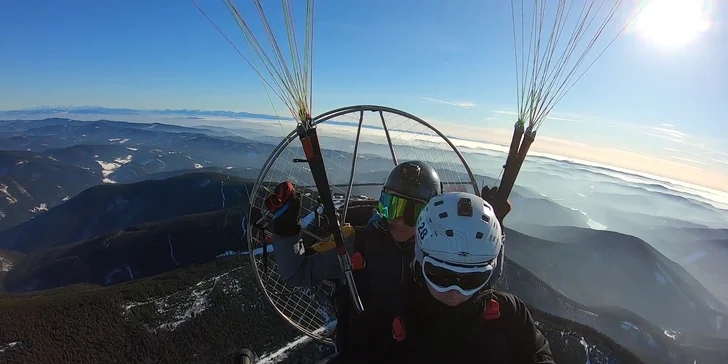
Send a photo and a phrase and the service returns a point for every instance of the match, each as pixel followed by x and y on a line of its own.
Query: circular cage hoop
pixel 310 309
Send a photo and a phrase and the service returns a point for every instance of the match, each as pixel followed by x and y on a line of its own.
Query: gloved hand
pixel 501 206
pixel 287 224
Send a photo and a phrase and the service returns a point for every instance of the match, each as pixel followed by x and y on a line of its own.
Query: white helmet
pixel 458 243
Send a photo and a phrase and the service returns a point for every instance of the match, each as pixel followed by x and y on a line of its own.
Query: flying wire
pixel 255 68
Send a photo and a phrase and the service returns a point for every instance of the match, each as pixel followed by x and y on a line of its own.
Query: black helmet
pixel 414 180
pixel 407 190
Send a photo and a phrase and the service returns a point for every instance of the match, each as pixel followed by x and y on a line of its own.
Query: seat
pixel 360 212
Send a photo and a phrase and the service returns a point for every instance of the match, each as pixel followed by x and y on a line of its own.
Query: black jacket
pixel 379 283
pixel 434 332
pixel 439 334
pixel 465 334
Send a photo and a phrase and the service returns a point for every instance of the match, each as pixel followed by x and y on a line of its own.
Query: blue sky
pixel 406 54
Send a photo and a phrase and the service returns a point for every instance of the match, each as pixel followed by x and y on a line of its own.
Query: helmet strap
pixel 417 274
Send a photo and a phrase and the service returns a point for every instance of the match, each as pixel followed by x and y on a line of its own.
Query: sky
pixel 656 93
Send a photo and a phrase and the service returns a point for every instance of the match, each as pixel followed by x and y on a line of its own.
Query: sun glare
pixel 673 23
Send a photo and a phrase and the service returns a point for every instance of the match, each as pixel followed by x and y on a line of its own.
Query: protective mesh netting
pixel 310 308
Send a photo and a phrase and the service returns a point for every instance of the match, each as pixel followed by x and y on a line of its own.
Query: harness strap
pixel 342 301
pixel 491 312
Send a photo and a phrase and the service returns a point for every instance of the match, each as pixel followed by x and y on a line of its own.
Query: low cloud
pixel 692 170
pixel 503 112
pixel 465 104
pixel 493 119
pixel 564 119
pixel 672 133
pixel 683 159
pixel 660 166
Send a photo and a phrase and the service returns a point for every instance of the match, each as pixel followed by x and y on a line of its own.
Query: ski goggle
pixel 443 277
pixel 392 206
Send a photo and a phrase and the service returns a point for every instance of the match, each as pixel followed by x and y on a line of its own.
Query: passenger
pixel 386 243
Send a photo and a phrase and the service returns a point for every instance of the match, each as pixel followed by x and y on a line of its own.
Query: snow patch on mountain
pixel 222 192
pixel 282 353
pixel 8 196
pixel 5 265
pixel 10 345
pixel 230 253
pixel 586 349
pixel 42 207
pixel 671 334
pixel 628 325
pixel 109 167
pixel 124 160
pixel 171 249
pixel 22 189
pixel 179 307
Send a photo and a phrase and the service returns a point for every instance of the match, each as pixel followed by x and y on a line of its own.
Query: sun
pixel 673 23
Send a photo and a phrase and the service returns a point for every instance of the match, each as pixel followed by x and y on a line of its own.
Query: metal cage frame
pixel 293 136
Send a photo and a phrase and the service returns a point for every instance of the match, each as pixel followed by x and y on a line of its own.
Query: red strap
pixel 399 329
pixel 357 261
pixel 492 310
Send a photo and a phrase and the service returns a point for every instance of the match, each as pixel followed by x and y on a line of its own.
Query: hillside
pixel 132 253
pixel 84 324
pixel 245 173
pixel 702 251
pixel 32 183
pixel 196 315
pixel 106 208
pixel 153 147
pixel 602 268
pixel 649 342
pixel 528 206
pixel 8 260
pixel 192 246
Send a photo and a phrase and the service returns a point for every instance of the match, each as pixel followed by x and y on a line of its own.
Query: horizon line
pixel 71 108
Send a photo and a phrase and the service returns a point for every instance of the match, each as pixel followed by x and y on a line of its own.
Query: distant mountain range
pixel 100 110
pixel 32 183
pixel 95 152
pixel 604 268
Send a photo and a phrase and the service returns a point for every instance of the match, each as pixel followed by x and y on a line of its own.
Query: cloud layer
pixel 465 104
